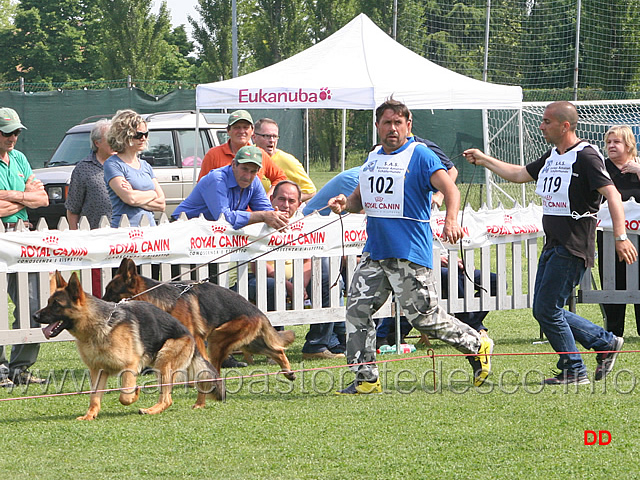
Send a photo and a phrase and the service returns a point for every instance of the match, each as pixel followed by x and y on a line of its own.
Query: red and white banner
pixel 489 227
pixel 199 241
pixel 631 216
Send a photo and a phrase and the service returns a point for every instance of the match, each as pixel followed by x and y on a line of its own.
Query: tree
pixel 8 8
pixel 48 40
pixel 133 40
pixel 275 30
pixel 213 39
pixel 179 64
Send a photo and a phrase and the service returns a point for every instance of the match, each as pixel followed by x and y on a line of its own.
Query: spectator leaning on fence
pixel 265 136
pixel 624 169
pixel 231 191
pixel 571 179
pixel 18 189
pixel 133 188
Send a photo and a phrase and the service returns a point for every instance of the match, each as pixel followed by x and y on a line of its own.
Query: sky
pixel 179 9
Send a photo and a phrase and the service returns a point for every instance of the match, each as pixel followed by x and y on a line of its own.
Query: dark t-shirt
pixel 576 235
pixel 628 184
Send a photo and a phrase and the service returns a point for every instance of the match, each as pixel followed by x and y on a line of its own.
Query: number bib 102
pixel 382 183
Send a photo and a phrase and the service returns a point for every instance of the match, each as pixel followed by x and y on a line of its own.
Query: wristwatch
pixel 621 238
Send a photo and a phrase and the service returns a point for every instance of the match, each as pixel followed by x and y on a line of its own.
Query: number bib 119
pixel 554 180
pixel 382 183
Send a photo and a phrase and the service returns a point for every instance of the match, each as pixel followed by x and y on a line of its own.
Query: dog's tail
pixel 208 378
pixel 287 337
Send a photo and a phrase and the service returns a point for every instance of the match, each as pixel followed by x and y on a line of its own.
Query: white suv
pixel 171 153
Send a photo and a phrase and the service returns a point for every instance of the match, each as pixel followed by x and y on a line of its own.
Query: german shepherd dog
pixel 213 314
pixel 122 339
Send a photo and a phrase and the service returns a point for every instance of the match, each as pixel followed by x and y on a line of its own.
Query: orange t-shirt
pixel 222 156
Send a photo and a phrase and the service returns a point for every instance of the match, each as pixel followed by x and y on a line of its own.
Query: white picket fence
pixel 514 263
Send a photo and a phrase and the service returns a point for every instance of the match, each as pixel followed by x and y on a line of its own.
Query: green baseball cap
pixel 249 154
pixel 9 120
pixel 239 115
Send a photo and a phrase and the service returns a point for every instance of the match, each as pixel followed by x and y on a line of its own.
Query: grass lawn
pixel 268 428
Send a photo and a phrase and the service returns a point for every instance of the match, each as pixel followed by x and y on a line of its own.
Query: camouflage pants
pixel 414 287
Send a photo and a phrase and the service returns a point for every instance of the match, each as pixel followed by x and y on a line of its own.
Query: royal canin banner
pixel 631 216
pixel 489 227
pixel 199 241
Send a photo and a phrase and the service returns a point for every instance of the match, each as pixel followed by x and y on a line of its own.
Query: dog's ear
pixel 129 271
pixel 74 289
pixel 123 266
pixel 56 280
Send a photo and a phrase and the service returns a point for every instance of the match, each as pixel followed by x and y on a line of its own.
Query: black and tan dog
pixel 213 314
pixel 121 339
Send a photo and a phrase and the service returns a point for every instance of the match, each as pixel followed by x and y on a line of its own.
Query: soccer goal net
pixel 510 143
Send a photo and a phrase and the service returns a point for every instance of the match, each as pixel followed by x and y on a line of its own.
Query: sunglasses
pixel 15 132
pixel 140 135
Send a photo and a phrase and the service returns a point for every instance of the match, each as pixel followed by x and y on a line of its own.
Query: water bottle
pixel 404 348
pixel 387 349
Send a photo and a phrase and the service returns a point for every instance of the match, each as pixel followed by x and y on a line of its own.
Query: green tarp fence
pixel 48 115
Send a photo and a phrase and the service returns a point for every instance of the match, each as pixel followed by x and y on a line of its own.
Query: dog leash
pixel 190 285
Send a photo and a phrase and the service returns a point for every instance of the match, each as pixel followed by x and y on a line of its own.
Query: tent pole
pixel 306 135
pixel 374 132
pixel 195 159
pixel 487 149
pixel 344 136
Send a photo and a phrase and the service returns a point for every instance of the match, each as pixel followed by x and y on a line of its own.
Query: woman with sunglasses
pixel 133 189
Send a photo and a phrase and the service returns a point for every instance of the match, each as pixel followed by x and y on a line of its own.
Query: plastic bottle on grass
pixel 404 348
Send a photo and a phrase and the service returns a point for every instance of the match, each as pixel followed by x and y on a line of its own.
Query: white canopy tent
pixel 357 67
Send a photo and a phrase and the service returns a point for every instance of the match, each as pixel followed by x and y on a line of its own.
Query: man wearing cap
pixel 266 135
pixel 18 189
pixel 240 130
pixel 233 190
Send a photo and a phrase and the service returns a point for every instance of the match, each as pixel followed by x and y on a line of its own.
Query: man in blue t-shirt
pixel 395 188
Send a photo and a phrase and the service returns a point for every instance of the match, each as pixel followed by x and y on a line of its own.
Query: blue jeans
pixel 558 274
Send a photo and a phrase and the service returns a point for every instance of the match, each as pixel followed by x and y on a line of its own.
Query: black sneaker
pixel 231 362
pixel 566 377
pixel 607 360
pixel 24 377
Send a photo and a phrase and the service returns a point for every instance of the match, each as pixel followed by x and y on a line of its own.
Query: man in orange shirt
pixel 240 130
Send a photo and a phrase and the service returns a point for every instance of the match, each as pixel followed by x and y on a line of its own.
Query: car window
pixel 73 148
pixel 223 136
pixel 187 146
pixel 160 152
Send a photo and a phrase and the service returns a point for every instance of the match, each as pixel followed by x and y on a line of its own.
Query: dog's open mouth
pixel 52 330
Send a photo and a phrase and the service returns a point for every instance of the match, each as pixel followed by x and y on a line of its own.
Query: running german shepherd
pixel 121 339
pixel 213 314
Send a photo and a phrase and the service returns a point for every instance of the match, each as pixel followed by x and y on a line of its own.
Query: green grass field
pixel 510 428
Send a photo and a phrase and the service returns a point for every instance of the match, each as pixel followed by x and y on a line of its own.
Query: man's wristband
pixel 621 238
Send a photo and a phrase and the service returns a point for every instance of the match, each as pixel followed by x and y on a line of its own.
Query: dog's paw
pixel 87 417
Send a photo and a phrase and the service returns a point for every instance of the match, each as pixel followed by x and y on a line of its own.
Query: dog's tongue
pixel 49 328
